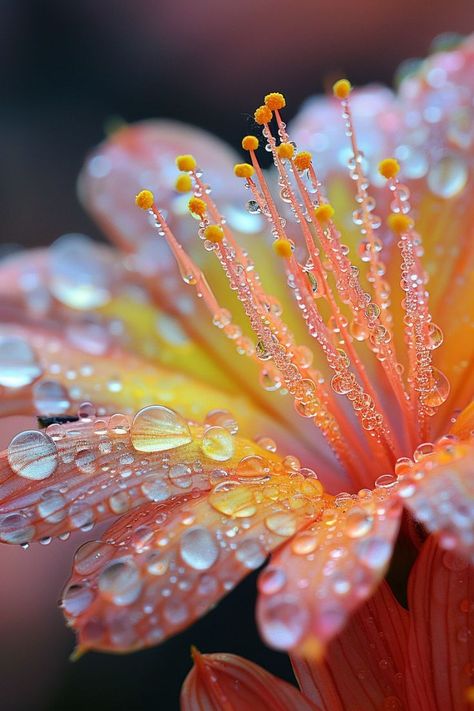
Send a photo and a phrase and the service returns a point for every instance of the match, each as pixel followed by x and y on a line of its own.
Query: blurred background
pixel 67 71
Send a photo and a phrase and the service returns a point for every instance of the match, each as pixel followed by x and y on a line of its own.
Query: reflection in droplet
pixel 32 455
pixel 50 398
pixel 198 548
pixel 157 428
pixel 448 177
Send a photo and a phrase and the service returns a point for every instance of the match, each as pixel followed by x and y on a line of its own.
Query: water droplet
pixel 81 516
pixel 271 580
pixel 91 556
pixel 374 552
pixel 218 444
pixel 76 599
pixel 283 622
pixel 304 543
pixel 157 428
pixel 50 398
pixel 181 475
pixel 120 582
pixel 33 455
pixel 358 523
pixel 253 468
pixel 81 272
pixel 52 506
pixel 251 554
pixel 439 389
pixel 155 488
pixel 120 502
pixel 222 418
pixel 283 523
pixel 233 499
pixel 448 176
pixel 198 548
pixel 15 528
pixel 86 412
pixel 18 363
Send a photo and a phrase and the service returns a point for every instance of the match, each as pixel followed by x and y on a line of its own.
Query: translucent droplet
pixel 283 622
pixel 198 548
pixel 81 516
pixel 16 528
pixel 218 444
pixel 157 428
pixel 181 475
pixel 358 523
pixel 76 599
pixel 18 363
pixel 120 582
pixel 155 488
pixel 283 523
pixel 33 455
pixel 271 580
pixel 81 272
pixel 91 556
pixel 374 552
pixel 50 398
pixel 251 554
pixel 448 177
pixel 52 507
pixel 86 412
pixel 232 499
pixel 439 391
pixel 222 418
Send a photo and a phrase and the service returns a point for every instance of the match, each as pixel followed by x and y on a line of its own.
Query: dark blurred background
pixel 67 69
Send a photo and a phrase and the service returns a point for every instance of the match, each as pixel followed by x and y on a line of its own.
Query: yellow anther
pixel 286 150
pixel 197 206
pixel 282 247
pixel 183 184
pixel 243 170
pixel 145 199
pixel 263 115
pixel 399 223
pixel 250 143
pixel 214 233
pixel 342 88
pixel 303 160
pixel 275 101
pixel 323 213
pixel 389 167
pixel 186 162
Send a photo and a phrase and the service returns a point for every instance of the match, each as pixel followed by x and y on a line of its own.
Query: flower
pixel 346 377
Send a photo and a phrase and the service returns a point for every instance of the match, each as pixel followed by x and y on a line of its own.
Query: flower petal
pixel 439 666
pixel 219 682
pixel 363 666
pixel 161 567
pixel 439 491
pixel 72 476
pixel 313 584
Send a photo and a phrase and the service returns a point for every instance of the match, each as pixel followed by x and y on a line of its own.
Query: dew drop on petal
pixel 198 548
pixel 271 580
pixel 448 176
pixel 15 528
pixel 157 428
pixel 50 398
pixel 374 552
pixel 283 622
pixel 18 363
pixel 155 488
pixel 218 444
pixel 358 523
pixel 120 582
pixel 33 455
pixel 76 599
pixel 91 556
pixel 251 554
pixel 282 523
pixel 52 507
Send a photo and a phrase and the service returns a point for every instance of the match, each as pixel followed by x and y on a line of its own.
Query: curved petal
pixel 363 666
pixel 312 585
pixel 439 668
pixel 72 476
pixel 226 682
pixel 439 491
pixel 160 568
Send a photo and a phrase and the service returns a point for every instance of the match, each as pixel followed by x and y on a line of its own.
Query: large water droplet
pixel 52 507
pixel 120 582
pixel 283 523
pixel 439 389
pixel 448 177
pixel 251 554
pixel 81 272
pixel 358 523
pixel 283 622
pixel 16 528
pixel 18 363
pixel 76 599
pixel 232 499
pixel 50 398
pixel 218 444
pixel 157 428
pixel 198 548
pixel 155 488
pixel 32 455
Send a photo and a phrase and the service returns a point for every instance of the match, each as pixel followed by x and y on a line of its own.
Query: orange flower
pixel 180 440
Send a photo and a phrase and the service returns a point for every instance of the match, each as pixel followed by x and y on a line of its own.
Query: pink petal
pixel 313 584
pixel 161 567
pixel 363 666
pixel 226 682
pixel 439 669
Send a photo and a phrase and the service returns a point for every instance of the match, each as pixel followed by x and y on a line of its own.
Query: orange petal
pixel 161 567
pixel 439 669
pixel 363 666
pixel 464 424
pixel 439 491
pixel 226 682
pixel 72 476
pixel 313 584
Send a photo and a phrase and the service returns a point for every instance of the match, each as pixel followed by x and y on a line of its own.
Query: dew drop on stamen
pixel 33 455
pixel 198 548
pixel 218 444
pixel 440 388
pixel 18 363
pixel 157 428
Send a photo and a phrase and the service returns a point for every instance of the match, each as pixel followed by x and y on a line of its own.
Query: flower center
pixel 368 421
